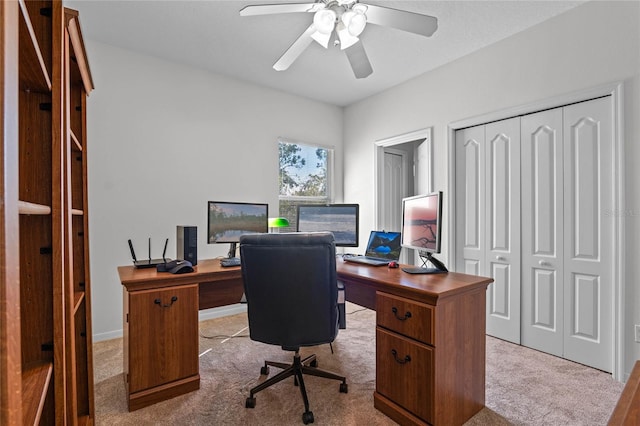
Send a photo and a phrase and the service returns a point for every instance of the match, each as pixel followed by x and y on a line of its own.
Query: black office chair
pixel 291 290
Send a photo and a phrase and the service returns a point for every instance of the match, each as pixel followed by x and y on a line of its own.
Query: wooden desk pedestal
pixel 160 317
pixel 160 344
pixel 430 335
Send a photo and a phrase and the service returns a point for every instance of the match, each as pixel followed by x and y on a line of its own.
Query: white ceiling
pixel 213 36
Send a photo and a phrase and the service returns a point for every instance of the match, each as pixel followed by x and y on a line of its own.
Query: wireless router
pixel 149 263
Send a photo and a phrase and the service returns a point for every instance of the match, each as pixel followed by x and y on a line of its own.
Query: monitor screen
pixel 340 219
pixel 228 221
pixel 422 222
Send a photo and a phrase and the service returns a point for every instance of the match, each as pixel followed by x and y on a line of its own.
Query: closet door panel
pixel 470 200
pixel 588 235
pixel 502 243
pixel 542 218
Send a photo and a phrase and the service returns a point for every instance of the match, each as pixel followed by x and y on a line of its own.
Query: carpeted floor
pixel 523 386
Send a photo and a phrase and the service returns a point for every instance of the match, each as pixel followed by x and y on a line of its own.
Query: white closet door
pixel 588 233
pixel 502 242
pixel 542 223
pixel 470 200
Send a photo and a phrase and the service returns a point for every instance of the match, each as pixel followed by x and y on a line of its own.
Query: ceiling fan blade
pixel 359 60
pixel 295 50
pixel 401 19
pixel 270 9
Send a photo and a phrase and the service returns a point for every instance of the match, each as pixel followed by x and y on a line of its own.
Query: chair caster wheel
pixel 307 417
pixel 250 403
pixel 313 363
pixel 264 370
pixel 344 388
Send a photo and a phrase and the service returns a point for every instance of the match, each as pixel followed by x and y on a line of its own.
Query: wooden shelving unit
pixel 46 360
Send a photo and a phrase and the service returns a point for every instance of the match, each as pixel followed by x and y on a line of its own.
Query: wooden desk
pixel 430 335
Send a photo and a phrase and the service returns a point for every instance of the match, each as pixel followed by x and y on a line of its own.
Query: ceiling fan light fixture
pixel 322 38
pixel 354 21
pixel 324 20
pixel 346 38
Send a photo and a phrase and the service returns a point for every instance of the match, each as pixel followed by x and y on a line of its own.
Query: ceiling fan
pixel 347 20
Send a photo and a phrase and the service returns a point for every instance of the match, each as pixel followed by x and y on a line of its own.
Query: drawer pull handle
pixel 407 315
pixel 159 302
pixel 406 359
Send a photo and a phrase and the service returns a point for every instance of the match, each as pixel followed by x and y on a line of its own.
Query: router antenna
pixel 164 252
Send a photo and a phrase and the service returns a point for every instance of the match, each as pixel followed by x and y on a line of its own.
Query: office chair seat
pixel 292 301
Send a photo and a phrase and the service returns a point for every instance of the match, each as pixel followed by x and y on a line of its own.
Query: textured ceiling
pixel 213 36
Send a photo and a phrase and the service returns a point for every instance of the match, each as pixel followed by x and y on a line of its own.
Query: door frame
pixel 615 90
pixel 424 135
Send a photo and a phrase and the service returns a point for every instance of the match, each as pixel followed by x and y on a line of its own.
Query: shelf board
pixel 25 207
pixel 34 75
pixel 77 42
pixel 77 212
pixel 77 146
pixel 35 386
pixel 78 297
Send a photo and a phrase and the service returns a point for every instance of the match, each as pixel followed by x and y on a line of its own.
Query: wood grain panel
pixel 36 302
pixel 406 317
pixel 35 148
pixel 36 58
pixel 460 359
pixel 405 373
pixel 627 410
pixel 220 293
pixel 170 353
pixel 78 239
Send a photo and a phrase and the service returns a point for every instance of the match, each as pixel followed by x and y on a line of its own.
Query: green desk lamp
pixel 277 222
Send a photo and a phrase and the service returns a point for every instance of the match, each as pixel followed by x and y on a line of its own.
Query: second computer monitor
pixel 340 219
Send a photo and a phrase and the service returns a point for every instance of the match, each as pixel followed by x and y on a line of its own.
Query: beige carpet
pixel 524 387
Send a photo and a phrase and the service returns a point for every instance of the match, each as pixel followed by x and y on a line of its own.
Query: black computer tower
pixel 187 240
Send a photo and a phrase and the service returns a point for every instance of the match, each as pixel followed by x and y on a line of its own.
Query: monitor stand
pixel 438 266
pixel 232 250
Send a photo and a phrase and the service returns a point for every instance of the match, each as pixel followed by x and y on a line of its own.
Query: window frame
pixel 297 199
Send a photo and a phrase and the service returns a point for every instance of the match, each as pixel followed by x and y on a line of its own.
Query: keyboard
pixel 367 260
pixel 230 261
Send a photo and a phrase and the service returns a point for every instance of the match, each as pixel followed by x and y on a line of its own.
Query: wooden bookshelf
pixel 46 359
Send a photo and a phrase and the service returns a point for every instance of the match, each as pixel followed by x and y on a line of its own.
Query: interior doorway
pixel 403 169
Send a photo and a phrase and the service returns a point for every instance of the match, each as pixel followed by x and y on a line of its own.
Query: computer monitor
pixel 227 221
pixel 340 219
pixel 422 229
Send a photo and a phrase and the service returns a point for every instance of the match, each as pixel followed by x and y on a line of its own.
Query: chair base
pixel 299 367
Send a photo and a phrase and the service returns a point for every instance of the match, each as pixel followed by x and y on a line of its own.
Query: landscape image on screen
pixel 385 245
pixel 227 221
pixel 421 222
pixel 340 220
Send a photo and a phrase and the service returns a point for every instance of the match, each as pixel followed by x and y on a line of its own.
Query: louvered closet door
pixel 502 242
pixel 470 200
pixel 542 224
pixel 588 232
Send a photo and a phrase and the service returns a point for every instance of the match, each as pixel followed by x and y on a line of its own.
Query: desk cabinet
pixel 161 343
pixel 425 372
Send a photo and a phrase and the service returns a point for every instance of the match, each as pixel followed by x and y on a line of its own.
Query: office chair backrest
pixel 291 289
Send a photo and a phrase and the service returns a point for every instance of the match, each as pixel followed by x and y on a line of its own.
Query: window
pixel 304 177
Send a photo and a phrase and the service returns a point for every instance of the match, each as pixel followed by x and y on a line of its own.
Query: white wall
pixel 163 140
pixel 594 44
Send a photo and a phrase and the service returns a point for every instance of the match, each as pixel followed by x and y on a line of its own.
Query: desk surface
pixel 427 287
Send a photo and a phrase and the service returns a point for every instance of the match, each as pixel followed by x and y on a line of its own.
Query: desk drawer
pixel 412 319
pixel 404 373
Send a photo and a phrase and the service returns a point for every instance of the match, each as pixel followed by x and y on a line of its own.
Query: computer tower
pixel 187 240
